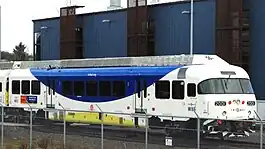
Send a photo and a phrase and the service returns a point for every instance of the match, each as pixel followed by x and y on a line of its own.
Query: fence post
pixel 261 130
pixel 30 135
pixel 198 130
pixel 102 131
pixel 64 126
pixel 2 127
pixel 102 127
pixel 146 131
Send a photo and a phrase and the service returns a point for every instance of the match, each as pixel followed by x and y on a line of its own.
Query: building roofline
pixel 119 10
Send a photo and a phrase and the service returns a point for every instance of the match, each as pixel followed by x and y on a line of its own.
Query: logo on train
pixel 91 107
pixel 28 99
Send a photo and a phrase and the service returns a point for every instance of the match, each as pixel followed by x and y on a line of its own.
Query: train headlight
pixel 224 113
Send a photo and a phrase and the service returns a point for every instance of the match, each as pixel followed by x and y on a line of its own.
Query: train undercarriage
pixel 208 128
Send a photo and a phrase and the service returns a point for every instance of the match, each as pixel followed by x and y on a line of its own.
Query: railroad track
pixel 157 138
pixel 185 140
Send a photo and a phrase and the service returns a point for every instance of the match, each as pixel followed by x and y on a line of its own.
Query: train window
pixel 191 90
pixel 79 88
pixel 7 86
pixel 145 89
pixel 138 88
pixel 162 89
pixel 16 87
pixel 35 87
pixel 53 87
pixel 1 87
pixel 118 88
pixel 67 88
pixel 91 88
pixel 104 88
pixel 49 85
pixel 25 87
pixel 178 89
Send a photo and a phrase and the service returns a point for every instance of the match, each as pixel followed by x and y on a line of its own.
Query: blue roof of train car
pixel 107 71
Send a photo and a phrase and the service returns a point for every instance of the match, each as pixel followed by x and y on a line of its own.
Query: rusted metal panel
pixel 69 34
pixel 139 37
pixel 232 29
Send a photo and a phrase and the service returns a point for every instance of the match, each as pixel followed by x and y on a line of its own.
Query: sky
pixel 17 16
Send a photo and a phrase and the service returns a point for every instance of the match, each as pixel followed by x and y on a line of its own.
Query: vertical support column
pixel 68 33
pixel 0 32
pixel 2 127
pixel 140 38
pixel 229 30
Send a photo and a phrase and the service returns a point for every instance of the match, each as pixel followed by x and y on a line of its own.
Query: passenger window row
pixel 94 88
pixel 27 87
pixel 162 89
pixel 104 88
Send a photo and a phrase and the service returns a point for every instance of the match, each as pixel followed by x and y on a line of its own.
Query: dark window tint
pixel 191 90
pixel 25 87
pixel 1 87
pixel 178 89
pixel 104 88
pixel 67 88
pixel 145 89
pixel 91 88
pixel 53 86
pixel 35 87
pixel 79 88
pixel 15 87
pixel 162 89
pixel 118 88
pixel 7 86
pixel 138 88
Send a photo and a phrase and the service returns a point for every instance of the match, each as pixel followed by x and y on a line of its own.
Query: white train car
pixel 210 86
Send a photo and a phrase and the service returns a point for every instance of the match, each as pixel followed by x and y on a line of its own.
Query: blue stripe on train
pixel 127 74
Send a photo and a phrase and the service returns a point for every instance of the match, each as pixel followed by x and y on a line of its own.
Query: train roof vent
pixel 17 65
pixel 209 59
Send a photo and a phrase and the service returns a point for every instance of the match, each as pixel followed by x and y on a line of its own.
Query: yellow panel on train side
pixel 93 118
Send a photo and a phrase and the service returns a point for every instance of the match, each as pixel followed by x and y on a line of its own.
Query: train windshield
pixel 225 86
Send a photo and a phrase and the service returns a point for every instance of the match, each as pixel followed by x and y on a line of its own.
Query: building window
pixel 91 88
pixel 118 88
pixel 16 87
pixel 35 87
pixel 178 89
pixel 79 88
pixel 67 88
pixel 162 90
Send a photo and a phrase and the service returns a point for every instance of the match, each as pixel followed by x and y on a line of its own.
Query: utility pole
pixel 0 33
pixel 191 27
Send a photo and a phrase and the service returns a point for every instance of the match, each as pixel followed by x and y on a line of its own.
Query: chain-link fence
pixel 62 128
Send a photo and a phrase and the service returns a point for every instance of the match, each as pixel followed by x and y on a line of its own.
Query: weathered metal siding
pixel 257 29
pixel 105 34
pixel 50 38
pixel 172 28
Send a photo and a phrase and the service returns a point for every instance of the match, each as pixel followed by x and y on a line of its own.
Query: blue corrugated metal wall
pixel 105 39
pixel 50 38
pixel 257 29
pixel 110 39
pixel 172 34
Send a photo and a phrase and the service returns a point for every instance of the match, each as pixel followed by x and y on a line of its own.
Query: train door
pixel 50 93
pixel 140 97
pixel 6 91
pixel 191 98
